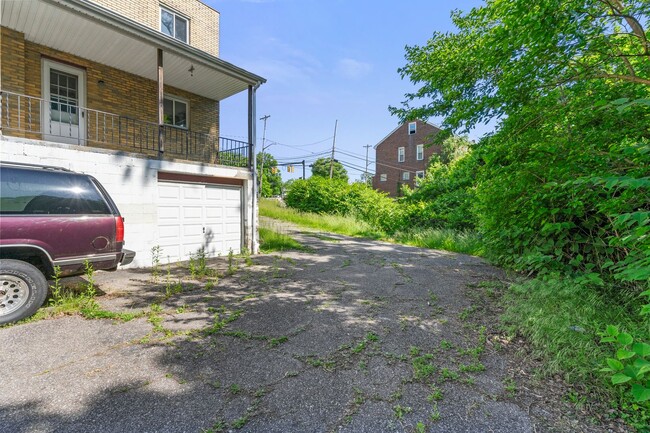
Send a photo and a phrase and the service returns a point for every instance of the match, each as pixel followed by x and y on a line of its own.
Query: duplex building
pixel 130 91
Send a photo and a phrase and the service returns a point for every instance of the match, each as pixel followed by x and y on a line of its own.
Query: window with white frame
pixel 419 174
pixel 412 128
pixel 401 152
pixel 175 112
pixel 383 177
pixel 174 25
pixel 419 155
pixel 406 175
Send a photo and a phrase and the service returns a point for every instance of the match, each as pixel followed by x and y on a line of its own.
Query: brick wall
pixel 204 21
pixel 121 93
pixel 387 162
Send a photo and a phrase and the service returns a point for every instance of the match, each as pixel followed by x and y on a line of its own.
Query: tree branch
pixel 621 77
pixel 617 10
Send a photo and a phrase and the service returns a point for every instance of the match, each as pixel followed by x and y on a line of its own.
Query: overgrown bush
pixel 331 196
pixel 445 197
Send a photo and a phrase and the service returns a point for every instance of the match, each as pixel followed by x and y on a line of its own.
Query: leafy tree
pixel 321 168
pixel 509 52
pixel 271 180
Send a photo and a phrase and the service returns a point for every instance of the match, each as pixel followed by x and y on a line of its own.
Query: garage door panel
pixel 185 210
pixel 193 213
pixel 214 194
pixel 168 191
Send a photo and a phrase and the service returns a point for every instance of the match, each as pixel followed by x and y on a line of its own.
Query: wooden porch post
pixel 161 113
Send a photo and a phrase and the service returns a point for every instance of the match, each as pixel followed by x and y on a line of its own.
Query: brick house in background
pixel 403 155
pixel 129 92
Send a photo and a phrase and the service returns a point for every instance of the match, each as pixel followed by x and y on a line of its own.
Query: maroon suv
pixel 52 217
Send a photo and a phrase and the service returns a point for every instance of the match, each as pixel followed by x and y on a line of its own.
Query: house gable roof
pixel 399 126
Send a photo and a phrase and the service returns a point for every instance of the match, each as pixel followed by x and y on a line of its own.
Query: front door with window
pixel 64 93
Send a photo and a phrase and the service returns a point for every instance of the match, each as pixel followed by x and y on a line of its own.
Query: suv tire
pixel 23 290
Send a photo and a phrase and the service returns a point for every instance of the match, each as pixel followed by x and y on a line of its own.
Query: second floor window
pixel 173 25
pixel 175 112
pixel 420 152
pixel 400 154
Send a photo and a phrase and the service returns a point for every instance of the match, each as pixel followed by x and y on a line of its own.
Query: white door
pixel 198 216
pixel 64 91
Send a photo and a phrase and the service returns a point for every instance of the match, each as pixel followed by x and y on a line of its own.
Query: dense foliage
pixel 321 167
pixel 270 177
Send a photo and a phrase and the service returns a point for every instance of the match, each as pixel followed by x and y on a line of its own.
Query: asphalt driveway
pixel 351 336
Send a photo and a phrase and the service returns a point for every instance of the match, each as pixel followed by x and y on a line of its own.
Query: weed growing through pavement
pixel 420 427
pixel 448 374
pixel 232 266
pixel 435 395
pixel 56 289
pixel 435 413
pixel 399 411
pixel 156 252
pixel 510 386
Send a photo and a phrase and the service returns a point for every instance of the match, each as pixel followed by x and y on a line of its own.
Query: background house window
pixel 420 152
pixel 406 175
pixel 400 154
pixel 173 25
pixel 412 128
pixel 175 112
pixel 383 177
pixel 419 174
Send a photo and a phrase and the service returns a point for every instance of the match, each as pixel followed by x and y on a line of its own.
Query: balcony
pixel 35 118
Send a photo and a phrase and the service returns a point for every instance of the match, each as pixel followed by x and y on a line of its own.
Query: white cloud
pixel 353 69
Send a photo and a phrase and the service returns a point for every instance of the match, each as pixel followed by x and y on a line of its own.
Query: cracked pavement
pixel 353 336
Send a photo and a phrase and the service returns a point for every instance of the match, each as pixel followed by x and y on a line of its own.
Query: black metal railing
pixel 36 118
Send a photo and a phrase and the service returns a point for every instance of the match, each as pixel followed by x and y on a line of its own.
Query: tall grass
pixel 442 239
pixel 329 223
pixel 271 240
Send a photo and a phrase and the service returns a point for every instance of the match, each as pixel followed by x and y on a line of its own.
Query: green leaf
pixel 615 364
pixel 612 330
pixel 624 338
pixel 641 349
pixel 640 393
pixel 643 366
pixel 624 354
pixel 620 378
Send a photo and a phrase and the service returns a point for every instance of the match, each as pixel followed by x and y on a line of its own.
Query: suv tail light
pixel 119 229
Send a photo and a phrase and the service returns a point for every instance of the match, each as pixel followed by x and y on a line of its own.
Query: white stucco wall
pixel 131 180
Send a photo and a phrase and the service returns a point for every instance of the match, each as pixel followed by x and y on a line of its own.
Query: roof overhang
pixel 90 31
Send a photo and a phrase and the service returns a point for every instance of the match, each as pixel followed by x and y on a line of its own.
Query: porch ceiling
pixel 87 30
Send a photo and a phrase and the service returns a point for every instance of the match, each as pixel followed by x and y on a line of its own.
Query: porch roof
pixel 87 30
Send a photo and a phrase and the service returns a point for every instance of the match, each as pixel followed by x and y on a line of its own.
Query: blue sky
pixel 325 60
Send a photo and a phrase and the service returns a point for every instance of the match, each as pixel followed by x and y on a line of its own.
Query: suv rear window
pixel 33 192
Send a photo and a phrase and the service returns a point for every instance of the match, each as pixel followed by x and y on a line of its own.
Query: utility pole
pixel 264 118
pixel 303 169
pixel 367 146
pixel 333 147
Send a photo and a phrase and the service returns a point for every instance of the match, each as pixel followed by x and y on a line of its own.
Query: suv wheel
pixel 23 290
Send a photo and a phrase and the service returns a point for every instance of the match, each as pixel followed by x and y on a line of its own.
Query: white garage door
pixel 198 216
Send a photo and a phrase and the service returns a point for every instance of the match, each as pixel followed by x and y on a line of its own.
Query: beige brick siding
pixel 204 21
pixel 107 90
pixel 386 156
